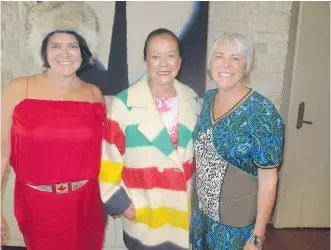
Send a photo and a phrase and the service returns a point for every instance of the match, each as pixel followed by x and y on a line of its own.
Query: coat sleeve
pixel 113 195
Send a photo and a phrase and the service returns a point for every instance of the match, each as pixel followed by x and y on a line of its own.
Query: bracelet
pixel 256 240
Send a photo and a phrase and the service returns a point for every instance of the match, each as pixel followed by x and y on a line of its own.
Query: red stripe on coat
pixel 114 135
pixel 188 168
pixel 156 177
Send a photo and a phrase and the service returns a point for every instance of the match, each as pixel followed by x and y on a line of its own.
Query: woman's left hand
pixel 250 246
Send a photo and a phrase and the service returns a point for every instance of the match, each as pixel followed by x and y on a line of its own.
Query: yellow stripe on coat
pixel 158 217
pixel 110 172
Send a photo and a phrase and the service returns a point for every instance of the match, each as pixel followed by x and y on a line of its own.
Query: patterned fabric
pixel 168 108
pixel 211 235
pixel 140 157
pixel 209 174
pixel 249 136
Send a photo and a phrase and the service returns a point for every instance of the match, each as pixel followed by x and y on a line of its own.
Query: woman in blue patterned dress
pixel 238 143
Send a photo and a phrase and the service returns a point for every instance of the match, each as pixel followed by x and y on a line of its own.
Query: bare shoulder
pixel 15 89
pixel 13 92
pixel 15 84
pixel 97 94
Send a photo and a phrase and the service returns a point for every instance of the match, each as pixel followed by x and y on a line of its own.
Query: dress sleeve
pixel 268 139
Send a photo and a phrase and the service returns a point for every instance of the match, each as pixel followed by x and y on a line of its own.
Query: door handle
pixel 301 113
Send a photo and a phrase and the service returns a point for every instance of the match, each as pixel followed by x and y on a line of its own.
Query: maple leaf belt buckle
pixel 62 188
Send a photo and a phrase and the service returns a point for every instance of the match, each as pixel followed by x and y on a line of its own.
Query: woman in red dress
pixel 51 136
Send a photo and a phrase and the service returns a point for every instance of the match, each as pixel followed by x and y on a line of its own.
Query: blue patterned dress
pixel 229 150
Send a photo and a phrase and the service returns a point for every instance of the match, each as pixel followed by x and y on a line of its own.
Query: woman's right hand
pixel 4 228
pixel 130 212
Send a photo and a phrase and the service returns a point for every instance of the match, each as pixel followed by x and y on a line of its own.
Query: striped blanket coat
pixel 140 164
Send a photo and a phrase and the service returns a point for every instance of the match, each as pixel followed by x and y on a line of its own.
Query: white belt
pixel 60 188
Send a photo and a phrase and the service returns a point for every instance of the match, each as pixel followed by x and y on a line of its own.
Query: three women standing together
pixel 52 130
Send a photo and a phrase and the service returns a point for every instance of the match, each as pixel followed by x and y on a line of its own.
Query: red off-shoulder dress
pixel 54 142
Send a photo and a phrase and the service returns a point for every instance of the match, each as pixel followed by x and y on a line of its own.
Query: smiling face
pixel 227 66
pixel 63 54
pixel 162 59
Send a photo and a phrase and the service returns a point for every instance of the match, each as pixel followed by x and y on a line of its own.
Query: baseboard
pixel 20 244
pixel 12 248
pixel 15 242
pixel 23 248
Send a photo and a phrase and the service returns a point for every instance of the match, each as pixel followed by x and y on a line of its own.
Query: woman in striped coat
pixel 147 163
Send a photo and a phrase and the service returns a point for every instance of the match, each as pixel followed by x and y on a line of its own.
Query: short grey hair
pixel 243 42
